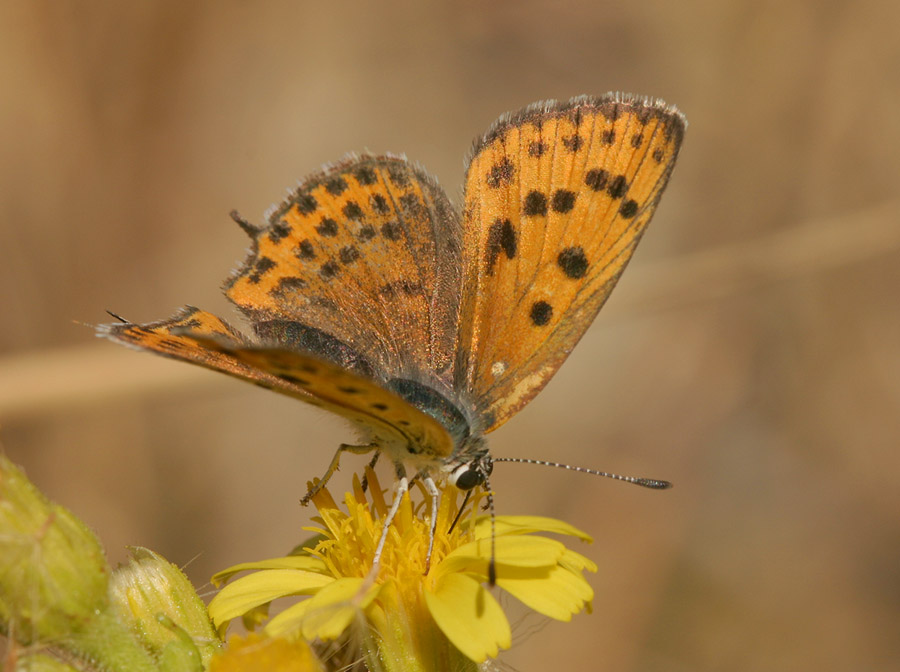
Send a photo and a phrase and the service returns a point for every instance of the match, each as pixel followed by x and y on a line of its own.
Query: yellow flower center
pixel 351 538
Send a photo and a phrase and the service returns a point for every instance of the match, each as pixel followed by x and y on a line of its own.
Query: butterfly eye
pixel 466 476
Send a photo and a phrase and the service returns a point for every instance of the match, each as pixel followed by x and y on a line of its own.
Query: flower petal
pixel 251 591
pixel 325 615
pixel 527 525
pixel 511 551
pixel 469 616
pixel 557 593
pixel 289 621
pixel 288 562
pixel 577 562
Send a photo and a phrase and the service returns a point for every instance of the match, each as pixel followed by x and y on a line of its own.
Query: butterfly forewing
pixel 201 338
pixel 366 252
pixel 556 199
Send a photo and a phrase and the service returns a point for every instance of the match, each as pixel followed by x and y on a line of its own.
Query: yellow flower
pixel 408 618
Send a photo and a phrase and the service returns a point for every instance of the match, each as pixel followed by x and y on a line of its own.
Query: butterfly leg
pixel 372 463
pixel 435 502
pixel 333 467
pixel 402 488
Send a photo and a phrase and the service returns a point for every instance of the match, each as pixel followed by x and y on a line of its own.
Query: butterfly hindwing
pixel 365 252
pixel 556 199
pixel 201 338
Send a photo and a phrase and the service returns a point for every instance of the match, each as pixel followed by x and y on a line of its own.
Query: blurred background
pixel 751 353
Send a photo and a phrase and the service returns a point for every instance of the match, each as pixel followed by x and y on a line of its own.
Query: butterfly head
pixel 472 466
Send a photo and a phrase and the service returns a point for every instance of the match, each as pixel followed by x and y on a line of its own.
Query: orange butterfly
pixel 370 295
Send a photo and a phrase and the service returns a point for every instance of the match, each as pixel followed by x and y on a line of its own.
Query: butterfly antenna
pixel 118 317
pixel 651 483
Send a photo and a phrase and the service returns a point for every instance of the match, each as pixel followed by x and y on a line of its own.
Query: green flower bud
pixel 156 601
pixel 55 575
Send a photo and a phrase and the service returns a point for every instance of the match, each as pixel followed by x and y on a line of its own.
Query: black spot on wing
pixel 329 269
pixel 306 203
pixel 263 265
pixel 563 200
pixel 501 173
pixel 596 179
pixel 305 250
pixel 399 174
pixel 573 262
pixel 535 204
pixel 401 287
pixel 348 254
pixel 573 143
pixel 279 231
pixel 291 378
pixel 392 230
pixel 629 208
pixel 336 185
pixel 541 312
pixel 380 204
pixel 327 227
pixel 365 175
pixel 289 285
pixel 617 186
pixel 352 210
pixel 501 238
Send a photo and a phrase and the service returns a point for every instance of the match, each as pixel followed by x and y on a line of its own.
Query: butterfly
pixel 370 295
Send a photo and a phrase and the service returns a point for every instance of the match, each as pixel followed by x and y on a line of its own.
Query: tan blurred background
pixel 751 353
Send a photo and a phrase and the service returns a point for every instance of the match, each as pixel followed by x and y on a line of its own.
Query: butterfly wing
pixel 361 266
pixel 198 337
pixel 556 199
